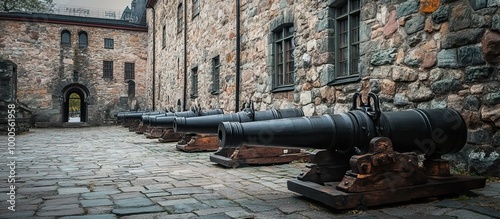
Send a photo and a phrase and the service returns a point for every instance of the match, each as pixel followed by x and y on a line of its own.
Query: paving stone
pixel 62 212
pixel 99 194
pixel 178 201
pixel 99 216
pixel 484 211
pixel 157 194
pixel 95 202
pixel 99 210
pixel 217 210
pixel 447 203
pixel 73 190
pixel 397 211
pixel 255 205
pixel 133 202
pixel 61 201
pixel 221 203
pixel 187 191
pixel 239 214
pixel 125 195
pixel 59 207
pixel 138 210
pixel 186 208
pixel 465 214
pixel 164 215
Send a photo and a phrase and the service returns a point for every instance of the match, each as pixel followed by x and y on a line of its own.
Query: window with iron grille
pixel 109 43
pixel 179 18
pixel 347 40
pixel 83 40
pixel 107 69
pixel 164 36
pixel 196 7
pixel 214 89
pixel 65 38
pixel 194 82
pixel 283 57
pixel 129 71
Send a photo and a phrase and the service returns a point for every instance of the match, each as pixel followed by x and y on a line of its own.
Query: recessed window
pixel 65 38
pixel 107 69
pixel 164 36
pixel 214 89
pixel 283 57
pixel 196 8
pixel 83 39
pixel 194 82
pixel 347 19
pixel 131 88
pixel 109 43
pixel 129 71
pixel 179 18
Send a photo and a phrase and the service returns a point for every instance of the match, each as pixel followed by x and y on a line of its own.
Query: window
pixel 107 69
pixel 109 43
pixel 283 57
pixel 131 88
pixel 164 36
pixel 196 8
pixel 347 19
pixel 129 71
pixel 65 38
pixel 214 89
pixel 83 39
pixel 194 82
pixel 75 76
pixel 179 18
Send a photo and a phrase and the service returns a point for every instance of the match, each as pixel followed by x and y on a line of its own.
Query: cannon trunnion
pixel 366 157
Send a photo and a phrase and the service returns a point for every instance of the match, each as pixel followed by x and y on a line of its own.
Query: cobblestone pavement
pixel 108 172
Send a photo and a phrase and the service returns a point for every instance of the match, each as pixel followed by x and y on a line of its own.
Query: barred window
pixel 109 43
pixel 194 82
pixel 283 54
pixel 129 71
pixel 214 89
pixel 347 19
pixel 179 18
pixel 196 8
pixel 65 38
pixel 107 69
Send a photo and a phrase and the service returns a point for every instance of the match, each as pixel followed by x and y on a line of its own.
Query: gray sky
pixel 98 4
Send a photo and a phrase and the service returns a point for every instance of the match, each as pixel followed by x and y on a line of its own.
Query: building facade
pixel 315 55
pixel 98 64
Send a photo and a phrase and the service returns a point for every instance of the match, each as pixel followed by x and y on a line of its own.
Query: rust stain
pixel 428 6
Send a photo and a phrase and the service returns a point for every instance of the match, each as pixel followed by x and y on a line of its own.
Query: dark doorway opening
pixel 74 103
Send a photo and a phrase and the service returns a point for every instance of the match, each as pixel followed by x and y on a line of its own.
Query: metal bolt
pixel 346 183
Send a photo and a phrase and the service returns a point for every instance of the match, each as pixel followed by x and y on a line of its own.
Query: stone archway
pixel 75 95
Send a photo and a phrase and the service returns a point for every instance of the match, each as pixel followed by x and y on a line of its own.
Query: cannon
pixel 200 134
pixel 366 157
pixel 132 119
pixel 162 126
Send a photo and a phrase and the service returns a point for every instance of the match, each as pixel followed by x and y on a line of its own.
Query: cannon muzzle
pixel 209 124
pixel 431 131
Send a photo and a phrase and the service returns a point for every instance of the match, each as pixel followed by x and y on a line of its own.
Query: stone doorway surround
pixel 84 94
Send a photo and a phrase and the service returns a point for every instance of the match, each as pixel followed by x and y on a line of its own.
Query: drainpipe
pixel 154 55
pixel 237 99
pixel 185 57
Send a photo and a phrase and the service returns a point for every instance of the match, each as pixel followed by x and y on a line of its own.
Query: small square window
pixel 109 43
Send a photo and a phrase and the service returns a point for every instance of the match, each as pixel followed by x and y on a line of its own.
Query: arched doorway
pixel 74 103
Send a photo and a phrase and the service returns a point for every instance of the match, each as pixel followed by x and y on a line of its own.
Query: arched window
pixel 131 88
pixel 82 39
pixel 65 37
pixel 179 18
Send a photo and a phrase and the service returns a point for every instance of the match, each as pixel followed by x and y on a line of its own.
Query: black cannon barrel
pixel 139 114
pixel 431 131
pixel 121 115
pixel 209 124
pixel 168 121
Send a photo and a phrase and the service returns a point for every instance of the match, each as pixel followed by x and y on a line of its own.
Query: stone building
pixel 102 61
pixel 315 55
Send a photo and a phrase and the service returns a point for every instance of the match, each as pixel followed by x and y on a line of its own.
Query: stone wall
pixel 411 55
pixel 46 68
